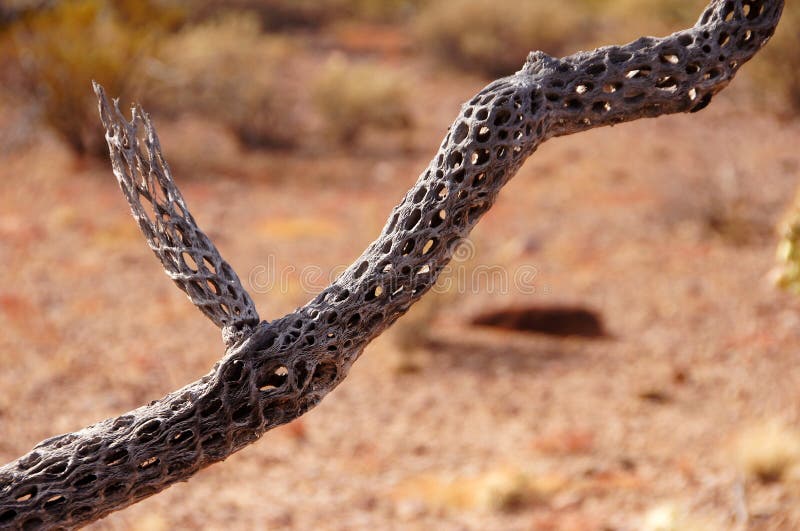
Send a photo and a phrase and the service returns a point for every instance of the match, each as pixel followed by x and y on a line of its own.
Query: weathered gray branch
pixel 274 372
pixel 187 254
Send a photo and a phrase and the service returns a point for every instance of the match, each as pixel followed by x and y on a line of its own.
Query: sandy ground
pixel 663 228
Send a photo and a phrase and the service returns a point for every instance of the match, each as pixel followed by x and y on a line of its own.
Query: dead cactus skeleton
pixel 273 372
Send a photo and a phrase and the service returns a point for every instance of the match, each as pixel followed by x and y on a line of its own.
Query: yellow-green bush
pixel 60 49
pixel 353 97
pixel 229 71
pixel 787 273
pixel 493 37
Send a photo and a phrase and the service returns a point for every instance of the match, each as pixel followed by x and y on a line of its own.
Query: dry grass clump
pixel 376 10
pixel 671 517
pixel 768 451
pixel 493 37
pixel 353 97
pixel 58 51
pixel 504 489
pixel 226 69
pixel 787 273
pixel 271 14
pixel 311 14
pixel 223 67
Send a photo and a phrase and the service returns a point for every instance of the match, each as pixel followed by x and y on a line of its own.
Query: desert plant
pixel 492 37
pixel 787 273
pixel 768 450
pixel 271 14
pixel 59 50
pixel 377 10
pixel 307 14
pixel 351 97
pixel 275 371
pixel 232 71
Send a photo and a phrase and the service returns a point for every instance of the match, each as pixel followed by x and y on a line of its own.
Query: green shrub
pixel 59 50
pixel 493 37
pixel 353 97
pixel 228 70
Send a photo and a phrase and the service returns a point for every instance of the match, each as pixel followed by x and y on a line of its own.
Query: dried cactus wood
pixel 273 372
pixel 187 254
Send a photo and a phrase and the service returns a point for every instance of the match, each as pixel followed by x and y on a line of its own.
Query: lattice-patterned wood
pixel 274 372
pixel 187 254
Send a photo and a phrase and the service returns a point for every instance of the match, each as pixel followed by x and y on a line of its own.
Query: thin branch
pixel 189 257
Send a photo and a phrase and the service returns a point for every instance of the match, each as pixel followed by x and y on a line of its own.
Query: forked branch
pixel 274 372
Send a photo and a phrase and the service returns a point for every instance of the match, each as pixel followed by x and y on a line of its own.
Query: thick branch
pixel 285 367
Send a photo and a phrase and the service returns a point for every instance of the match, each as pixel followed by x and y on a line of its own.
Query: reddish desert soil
pixel 664 228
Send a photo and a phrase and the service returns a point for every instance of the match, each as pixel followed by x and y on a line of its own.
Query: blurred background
pixel 608 351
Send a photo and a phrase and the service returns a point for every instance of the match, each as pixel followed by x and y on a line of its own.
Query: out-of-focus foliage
pixel 493 37
pixel 671 14
pixel 239 63
pixel 629 19
pixel 353 97
pixel 58 49
pixel 787 274
pixel 272 14
pixel 769 451
pixel 283 14
pixel 378 9
pixel 228 70
pixel 777 69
